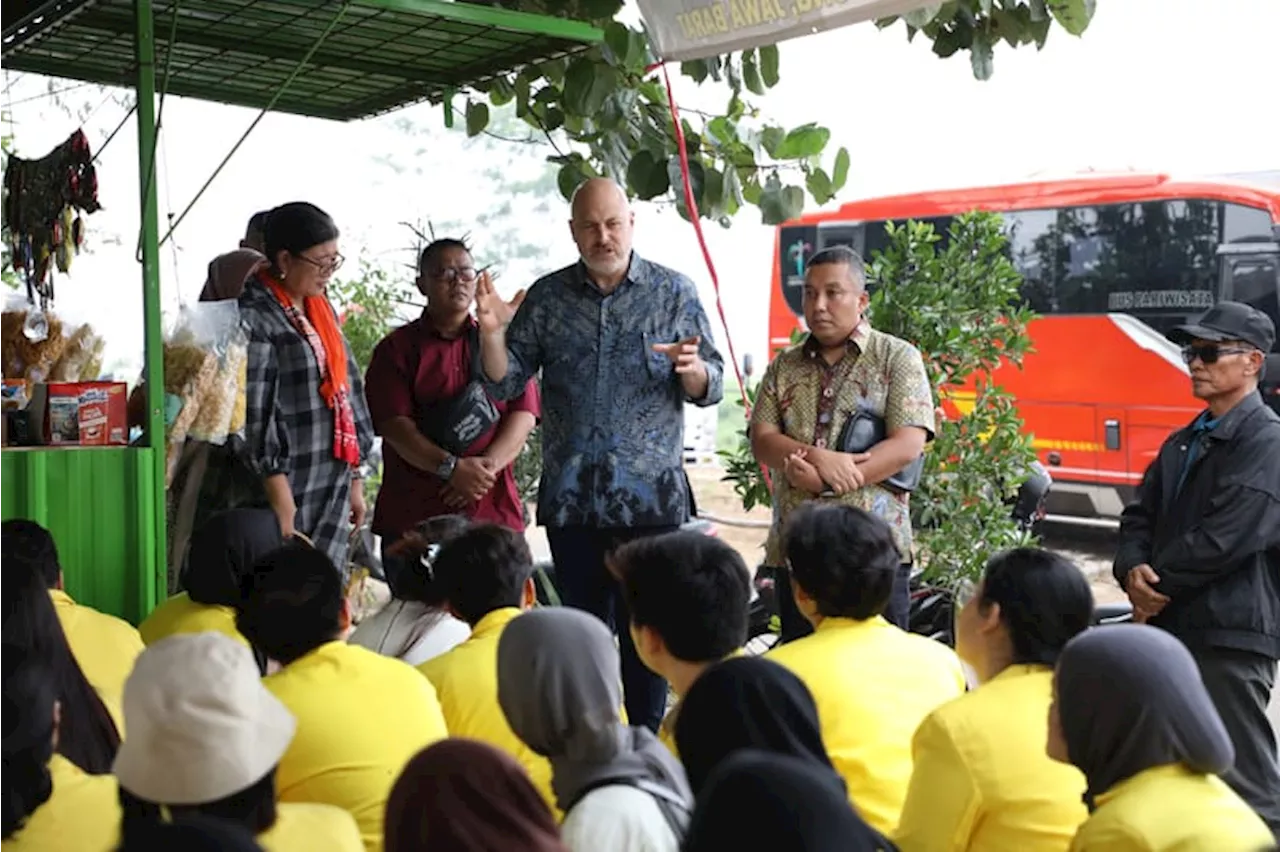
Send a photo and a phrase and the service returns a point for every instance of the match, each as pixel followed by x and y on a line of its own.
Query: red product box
pixel 87 414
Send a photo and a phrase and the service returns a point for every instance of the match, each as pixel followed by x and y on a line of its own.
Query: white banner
pixel 695 29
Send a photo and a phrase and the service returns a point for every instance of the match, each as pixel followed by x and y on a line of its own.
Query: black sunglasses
pixel 1211 353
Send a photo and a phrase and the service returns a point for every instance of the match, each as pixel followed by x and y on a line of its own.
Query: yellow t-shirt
pixel 1172 809
pixel 104 646
pixel 466 679
pixel 180 614
pixel 303 827
pixel 82 815
pixel 873 684
pixel 982 780
pixel 361 717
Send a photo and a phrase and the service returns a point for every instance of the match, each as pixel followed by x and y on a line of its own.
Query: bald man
pixel 623 344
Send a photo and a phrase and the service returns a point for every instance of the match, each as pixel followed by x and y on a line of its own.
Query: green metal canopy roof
pixel 370 56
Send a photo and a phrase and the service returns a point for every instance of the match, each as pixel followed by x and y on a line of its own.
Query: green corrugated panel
pixel 99 505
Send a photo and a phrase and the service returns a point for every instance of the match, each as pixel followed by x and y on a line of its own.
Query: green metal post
pixel 155 586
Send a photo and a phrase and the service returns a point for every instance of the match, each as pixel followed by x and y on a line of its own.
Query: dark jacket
pixel 1216 543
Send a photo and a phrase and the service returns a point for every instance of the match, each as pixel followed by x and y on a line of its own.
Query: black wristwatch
pixel 447 467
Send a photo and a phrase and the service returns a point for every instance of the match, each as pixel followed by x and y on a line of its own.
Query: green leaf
pixel 647 176
pixel 920 16
pixel 570 177
pixel 1040 32
pixel 501 92
pixel 713 198
pixel 985 6
pixel 586 86
pixel 820 186
pixel 769 64
pixel 554 119
pixel 733 199
pixel 695 68
pixel 1039 12
pixel 722 130
pixel 840 173
pixel 618 39
pixel 751 73
pixel 697 182
pixel 780 204
pixel 805 141
pixel 1073 15
pixel 752 192
pixel 771 139
pixel 980 56
pixel 477 117
pixel 884 23
pixel 553 70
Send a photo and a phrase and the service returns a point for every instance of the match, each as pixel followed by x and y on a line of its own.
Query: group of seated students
pixel 464 717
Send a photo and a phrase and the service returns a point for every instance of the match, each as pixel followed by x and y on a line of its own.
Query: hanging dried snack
pixel 76 354
pixel 218 404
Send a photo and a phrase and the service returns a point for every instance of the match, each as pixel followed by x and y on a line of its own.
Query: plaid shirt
pixel 612 408
pixel 289 430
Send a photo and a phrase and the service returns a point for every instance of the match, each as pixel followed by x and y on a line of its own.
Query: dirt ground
pixel 1088 547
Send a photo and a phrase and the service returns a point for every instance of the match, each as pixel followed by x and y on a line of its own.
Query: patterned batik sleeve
pixel 767 409
pixel 359 407
pixel 910 401
pixel 266 441
pixel 693 321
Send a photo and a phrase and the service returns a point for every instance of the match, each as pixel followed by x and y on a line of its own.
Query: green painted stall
pixel 322 58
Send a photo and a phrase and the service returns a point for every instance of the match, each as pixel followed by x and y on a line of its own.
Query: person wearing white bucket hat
pixel 205 736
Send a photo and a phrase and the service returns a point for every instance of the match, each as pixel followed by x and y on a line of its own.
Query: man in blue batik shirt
pixel 622 344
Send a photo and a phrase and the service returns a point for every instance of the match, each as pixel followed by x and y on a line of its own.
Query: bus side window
pixel 1033 248
pixel 1255 282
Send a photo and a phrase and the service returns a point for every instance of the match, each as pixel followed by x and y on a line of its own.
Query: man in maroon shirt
pixel 449 447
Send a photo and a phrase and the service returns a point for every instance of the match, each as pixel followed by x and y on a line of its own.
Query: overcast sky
pixel 1153 85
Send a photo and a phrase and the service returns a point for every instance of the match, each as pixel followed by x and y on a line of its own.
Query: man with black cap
pixel 1199 550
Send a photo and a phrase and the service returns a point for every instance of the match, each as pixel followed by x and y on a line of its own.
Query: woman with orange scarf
pixel 307 428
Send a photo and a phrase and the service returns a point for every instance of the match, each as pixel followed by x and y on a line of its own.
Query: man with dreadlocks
pixel 449 446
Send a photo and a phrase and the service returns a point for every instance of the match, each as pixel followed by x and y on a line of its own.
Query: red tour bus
pixel 1110 263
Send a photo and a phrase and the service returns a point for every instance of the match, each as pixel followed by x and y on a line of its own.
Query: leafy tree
pixel 959 304
pixel 606 111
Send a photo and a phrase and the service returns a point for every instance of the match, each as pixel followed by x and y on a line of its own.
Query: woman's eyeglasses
pixel 329 266
pixel 1211 353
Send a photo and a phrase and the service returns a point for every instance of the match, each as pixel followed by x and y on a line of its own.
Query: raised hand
pixel 493 313
pixel 683 354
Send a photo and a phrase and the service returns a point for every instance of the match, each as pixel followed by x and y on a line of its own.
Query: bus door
pixel 1251 274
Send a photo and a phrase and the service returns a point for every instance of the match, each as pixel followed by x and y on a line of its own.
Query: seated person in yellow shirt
pixel 206 738
pixel 192 834
pixel 361 716
pixel 1131 712
pixel 222 552
pixel 485 575
pixel 982 780
pixel 688 595
pixel 48 803
pixel 105 646
pixel 873 683
pixel 748 703
pixel 87 733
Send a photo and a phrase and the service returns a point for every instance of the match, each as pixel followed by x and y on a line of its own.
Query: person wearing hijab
pixel 462 795
pixel 981 778
pixel 761 802
pixel 747 703
pixel 307 426
pixel 560 687
pixel 1131 712
pixel 222 552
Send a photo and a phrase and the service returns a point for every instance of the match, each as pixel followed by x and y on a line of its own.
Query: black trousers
pixel 1240 684
pixel 585 583
pixel 795 625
